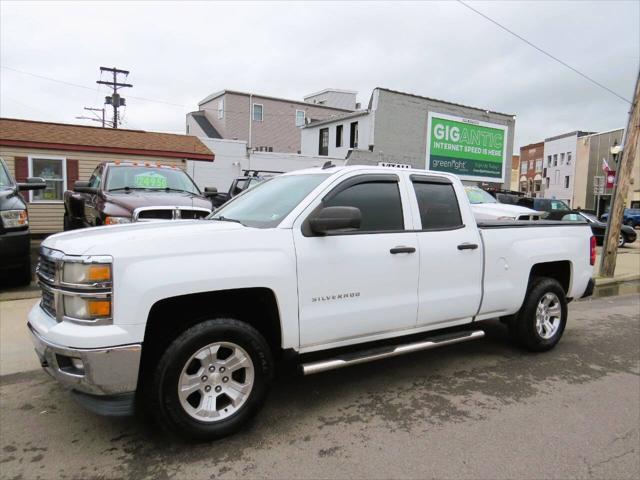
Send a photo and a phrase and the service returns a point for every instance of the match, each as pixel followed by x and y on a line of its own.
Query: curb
pixel 630 277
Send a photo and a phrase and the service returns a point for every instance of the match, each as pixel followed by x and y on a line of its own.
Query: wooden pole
pixel 629 155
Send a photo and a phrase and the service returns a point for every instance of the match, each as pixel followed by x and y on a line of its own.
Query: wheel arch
pixel 171 316
pixel 558 270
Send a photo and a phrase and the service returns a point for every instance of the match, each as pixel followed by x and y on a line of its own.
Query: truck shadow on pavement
pixel 412 393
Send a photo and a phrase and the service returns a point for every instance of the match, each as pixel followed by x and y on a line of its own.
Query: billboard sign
pixel 471 149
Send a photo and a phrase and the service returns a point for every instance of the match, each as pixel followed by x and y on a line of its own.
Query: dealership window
pixel 53 170
pixel 379 204
pixel 523 167
pixel 568 158
pixel 566 181
pixel 299 118
pixel 353 139
pixel 438 205
pixel 221 108
pixel 339 130
pixel 258 112
pixel 323 142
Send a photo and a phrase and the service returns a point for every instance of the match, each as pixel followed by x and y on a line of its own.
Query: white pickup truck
pixel 326 267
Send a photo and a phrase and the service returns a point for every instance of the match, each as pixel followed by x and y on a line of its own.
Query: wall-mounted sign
pixel 471 149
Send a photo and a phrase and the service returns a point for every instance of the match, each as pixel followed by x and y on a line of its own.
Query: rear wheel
pixel 212 379
pixel 621 241
pixel 541 321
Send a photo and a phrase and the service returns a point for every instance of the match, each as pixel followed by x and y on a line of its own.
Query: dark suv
pixel 15 252
pixel 120 192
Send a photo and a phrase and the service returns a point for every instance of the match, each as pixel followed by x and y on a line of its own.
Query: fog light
pixel 77 364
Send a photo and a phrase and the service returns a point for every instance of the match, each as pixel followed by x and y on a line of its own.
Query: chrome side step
pixel 386 352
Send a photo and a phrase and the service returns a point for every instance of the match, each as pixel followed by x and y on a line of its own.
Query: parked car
pixel 249 179
pixel 486 207
pixel 627 233
pixel 15 251
pixel 555 209
pixel 119 192
pixel 323 268
pixel 631 217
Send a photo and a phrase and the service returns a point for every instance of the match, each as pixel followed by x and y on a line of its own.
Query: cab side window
pixel 438 205
pixel 379 203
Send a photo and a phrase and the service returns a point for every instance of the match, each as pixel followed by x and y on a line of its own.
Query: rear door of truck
pixel 450 248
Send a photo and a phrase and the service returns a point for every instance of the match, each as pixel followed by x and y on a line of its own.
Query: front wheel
pixel 212 379
pixel 541 321
pixel 621 241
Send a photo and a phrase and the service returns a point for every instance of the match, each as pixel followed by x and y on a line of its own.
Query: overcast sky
pixel 181 52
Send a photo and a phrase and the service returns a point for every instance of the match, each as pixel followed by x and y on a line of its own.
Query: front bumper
pixel 106 371
pixel 14 249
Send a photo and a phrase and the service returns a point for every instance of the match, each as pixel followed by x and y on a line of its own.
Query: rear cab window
pixel 437 203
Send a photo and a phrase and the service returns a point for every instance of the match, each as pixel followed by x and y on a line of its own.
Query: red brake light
pixel 592 251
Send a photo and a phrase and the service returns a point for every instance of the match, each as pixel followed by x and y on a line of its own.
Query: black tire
pixel 66 224
pixel 523 326
pixel 163 390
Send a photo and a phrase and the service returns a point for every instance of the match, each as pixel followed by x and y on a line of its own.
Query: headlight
pixel 506 218
pixel 87 308
pixel 14 218
pixel 116 220
pixel 86 273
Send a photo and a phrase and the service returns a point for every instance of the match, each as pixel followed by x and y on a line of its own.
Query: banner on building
pixel 611 178
pixel 471 149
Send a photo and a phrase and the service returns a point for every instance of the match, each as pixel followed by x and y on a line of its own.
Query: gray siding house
pixel 269 124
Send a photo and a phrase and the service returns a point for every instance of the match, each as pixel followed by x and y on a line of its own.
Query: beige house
pixel 63 153
pixel 268 124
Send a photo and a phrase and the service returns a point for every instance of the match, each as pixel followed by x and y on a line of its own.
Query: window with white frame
pixel 539 165
pixel 568 158
pixel 221 108
pixel 54 171
pixel 523 167
pixel 258 112
pixel 299 118
pixel 562 159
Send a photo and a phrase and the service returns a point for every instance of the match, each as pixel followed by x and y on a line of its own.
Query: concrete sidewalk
pixel 627 265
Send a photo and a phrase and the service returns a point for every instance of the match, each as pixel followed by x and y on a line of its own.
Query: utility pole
pixel 629 155
pixel 115 99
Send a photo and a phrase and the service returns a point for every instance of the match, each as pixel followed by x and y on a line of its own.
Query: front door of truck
pixel 91 200
pixel 358 283
pixel 450 254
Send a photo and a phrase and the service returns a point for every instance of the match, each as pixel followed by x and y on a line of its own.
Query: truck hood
pixel 136 199
pixel 493 211
pixel 137 237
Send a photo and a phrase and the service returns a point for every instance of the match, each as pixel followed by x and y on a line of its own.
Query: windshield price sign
pixel 151 180
pixel 471 149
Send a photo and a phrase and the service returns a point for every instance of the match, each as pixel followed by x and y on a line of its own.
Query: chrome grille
pixel 146 214
pixel 47 268
pixel 48 302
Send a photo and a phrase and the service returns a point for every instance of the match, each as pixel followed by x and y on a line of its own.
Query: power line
pixel 42 77
pixel 584 75
pixel 115 99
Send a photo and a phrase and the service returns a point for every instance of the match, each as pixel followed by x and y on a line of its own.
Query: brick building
pixel 531 170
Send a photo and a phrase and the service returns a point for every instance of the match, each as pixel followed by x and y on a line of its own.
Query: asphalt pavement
pixel 478 410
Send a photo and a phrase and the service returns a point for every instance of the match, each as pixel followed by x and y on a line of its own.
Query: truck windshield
pixel 477 195
pixel 266 204
pixel 149 178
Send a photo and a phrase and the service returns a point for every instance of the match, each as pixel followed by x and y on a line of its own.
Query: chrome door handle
pixel 467 246
pixel 395 250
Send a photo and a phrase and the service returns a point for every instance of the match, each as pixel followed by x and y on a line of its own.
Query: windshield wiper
pixel 169 189
pixel 225 219
pixel 126 189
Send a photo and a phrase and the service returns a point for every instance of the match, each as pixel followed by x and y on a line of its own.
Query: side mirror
pixel 83 187
pixel 335 219
pixel 210 191
pixel 33 183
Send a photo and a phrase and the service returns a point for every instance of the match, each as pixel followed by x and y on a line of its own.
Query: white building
pixel 232 158
pixel 336 136
pixel 560 153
